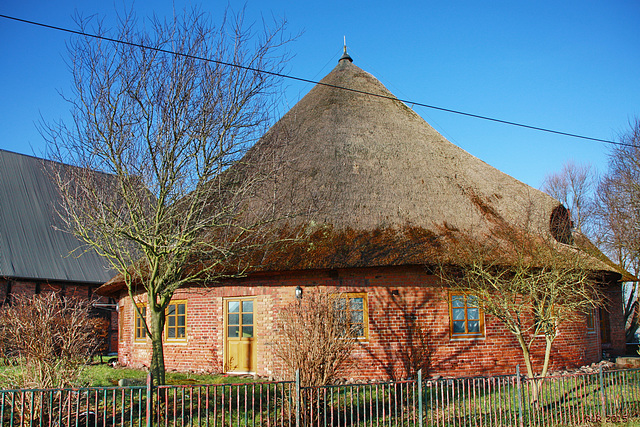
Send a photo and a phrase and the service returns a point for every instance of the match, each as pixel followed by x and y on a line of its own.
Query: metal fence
pixel 482 401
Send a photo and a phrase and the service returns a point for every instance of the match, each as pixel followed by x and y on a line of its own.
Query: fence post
pixel 420 398
pixel 149 399
pixel 297 397
pixel 519 392
pixel 603 410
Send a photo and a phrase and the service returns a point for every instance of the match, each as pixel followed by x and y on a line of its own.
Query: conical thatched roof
pixel 371 161
pixel 365 182
pixel 369 167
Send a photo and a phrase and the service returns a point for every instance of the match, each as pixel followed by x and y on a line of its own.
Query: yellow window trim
pixel 465 335
pixel 136 327
pixel 166 323
pixel 590 319
pixel 121 328
pixel 365 310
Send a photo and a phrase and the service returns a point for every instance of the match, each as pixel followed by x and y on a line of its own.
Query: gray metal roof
pixel 31 246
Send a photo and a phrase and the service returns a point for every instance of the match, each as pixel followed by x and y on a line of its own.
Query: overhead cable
pixel 301 79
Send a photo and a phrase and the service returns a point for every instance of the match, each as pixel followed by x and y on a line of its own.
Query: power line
pixel 301 79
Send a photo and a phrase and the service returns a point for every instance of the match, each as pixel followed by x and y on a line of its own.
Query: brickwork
pixel 616 320
pixel 408 317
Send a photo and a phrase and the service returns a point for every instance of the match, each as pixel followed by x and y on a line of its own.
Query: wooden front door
pixel 240 348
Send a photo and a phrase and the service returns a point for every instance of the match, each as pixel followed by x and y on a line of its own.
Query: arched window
pixel 560 225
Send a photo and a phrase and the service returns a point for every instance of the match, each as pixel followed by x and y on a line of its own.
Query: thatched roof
pixel 365 162
pixel 365 182
pixel 365 165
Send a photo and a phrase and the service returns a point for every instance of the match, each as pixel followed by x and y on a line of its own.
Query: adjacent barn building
pixel 383 189
pixel 35 254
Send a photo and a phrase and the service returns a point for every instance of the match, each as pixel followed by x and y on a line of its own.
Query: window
pixel 140 331
pixel 561 225
pixel 355 305
pixel 240 319
pixel 465 317
pixel 591 321
pixel 176 320
pixel 121 323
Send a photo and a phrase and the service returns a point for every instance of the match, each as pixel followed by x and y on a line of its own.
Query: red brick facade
pixel 408 318
pixel 22 287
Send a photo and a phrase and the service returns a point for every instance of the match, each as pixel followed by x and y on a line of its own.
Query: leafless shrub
pixel 315 338
pixel 51 336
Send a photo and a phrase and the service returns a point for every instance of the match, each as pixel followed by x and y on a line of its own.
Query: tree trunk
pixel 547 356
pixel 157 357
pixel 526 355
pixel 535 387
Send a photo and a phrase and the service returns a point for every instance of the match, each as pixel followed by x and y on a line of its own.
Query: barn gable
pixel 33 243
pixel 36 254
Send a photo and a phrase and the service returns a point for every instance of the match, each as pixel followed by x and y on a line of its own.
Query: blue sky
pixel 572 66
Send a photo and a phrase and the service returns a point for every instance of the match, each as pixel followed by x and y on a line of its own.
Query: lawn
pixel 97 374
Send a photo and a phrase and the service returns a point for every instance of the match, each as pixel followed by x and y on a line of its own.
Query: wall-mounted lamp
pixel 298 292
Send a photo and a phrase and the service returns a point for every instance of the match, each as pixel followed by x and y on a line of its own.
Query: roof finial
pixel 345 55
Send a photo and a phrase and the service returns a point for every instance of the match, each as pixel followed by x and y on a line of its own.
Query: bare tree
pixel 530 284
pixel 165 113
pixel 314 337
pixel 619 213
pixel 574 187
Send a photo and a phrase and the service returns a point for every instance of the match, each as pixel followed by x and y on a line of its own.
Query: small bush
pixel 314 337
pixel 51 336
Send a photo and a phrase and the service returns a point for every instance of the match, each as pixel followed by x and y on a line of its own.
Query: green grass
pixel 630 423
pixel 99 374
pixel 103 375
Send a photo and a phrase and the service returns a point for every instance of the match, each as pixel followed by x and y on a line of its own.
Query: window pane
pixel 472 300
pixel 182 332
pixel 457 301
pixel 358 330
pixel 182 320
pixel 233 306
pixel 247 306
pixel 458 313
pixel 474 326
pixel 233 331
pixel 171 321
pixel 356 304
pixel 247 318
pixel 247 331
pixel 458 327
pixel 182 309
pixel 140 333
pixel 473 313
pixel 233 319
pixel 171 310
pixel 343 318
pixel 357 317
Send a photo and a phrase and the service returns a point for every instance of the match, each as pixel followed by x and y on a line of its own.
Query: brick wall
pixel 408 328
pixel 618 345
